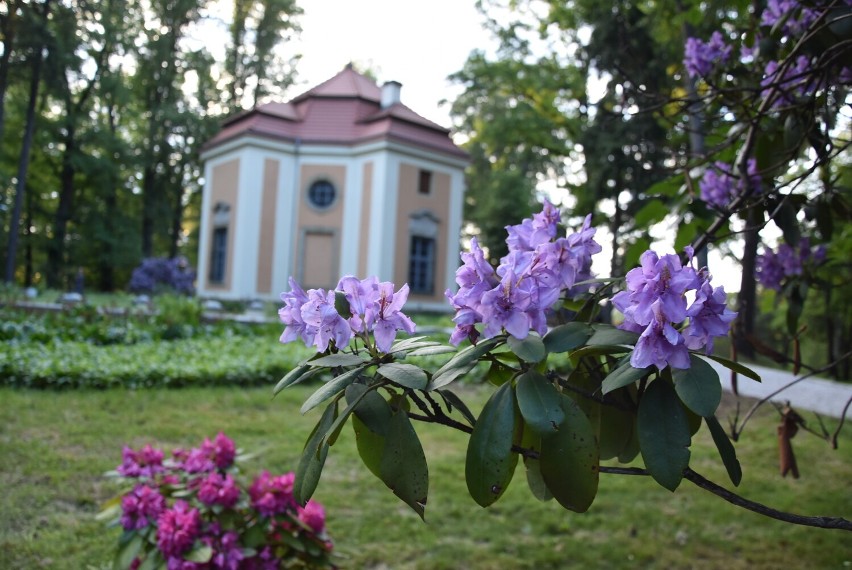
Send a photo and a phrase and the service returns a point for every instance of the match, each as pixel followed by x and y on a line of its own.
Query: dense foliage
pixel 104 105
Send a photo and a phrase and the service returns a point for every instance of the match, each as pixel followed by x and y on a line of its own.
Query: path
pixel 815 394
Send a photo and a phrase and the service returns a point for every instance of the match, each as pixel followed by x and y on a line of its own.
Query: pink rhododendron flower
pixel 272 495
pixel 216 489
pixel 141 507
pixel 143 463
pixel 313 515
pixel 177 529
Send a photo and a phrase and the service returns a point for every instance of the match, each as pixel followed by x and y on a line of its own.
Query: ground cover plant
pixel 56 446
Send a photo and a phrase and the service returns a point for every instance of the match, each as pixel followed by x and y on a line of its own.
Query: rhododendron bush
pixel 195 510
pixel 644 387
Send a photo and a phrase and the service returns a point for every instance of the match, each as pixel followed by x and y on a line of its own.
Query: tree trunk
pixel 24 161
pixel 747 298
pixel 67 189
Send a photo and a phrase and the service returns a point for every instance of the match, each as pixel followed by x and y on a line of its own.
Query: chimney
pixel 390 93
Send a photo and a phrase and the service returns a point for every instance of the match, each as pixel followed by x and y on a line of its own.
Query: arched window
pixel 423 229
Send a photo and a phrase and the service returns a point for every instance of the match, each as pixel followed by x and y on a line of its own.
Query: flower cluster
pixel 788 83
pixel 158 273
pixel 655 302
pixel 795 19
pixel 374 308
pixel 719 185
pixel 700 58
pixel 517 296
pixel 193 512
pixel 774 266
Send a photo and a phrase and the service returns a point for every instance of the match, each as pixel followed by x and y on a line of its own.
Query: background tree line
pixel 593 102
pixel 104 105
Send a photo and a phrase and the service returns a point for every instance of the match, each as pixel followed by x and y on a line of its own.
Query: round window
pixel 321 194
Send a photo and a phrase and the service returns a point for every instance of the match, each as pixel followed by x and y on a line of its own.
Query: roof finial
pixel 349 65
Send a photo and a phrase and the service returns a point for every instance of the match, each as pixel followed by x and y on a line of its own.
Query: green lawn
pixel 54 447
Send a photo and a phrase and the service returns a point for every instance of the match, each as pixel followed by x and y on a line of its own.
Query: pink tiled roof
pixel 343 110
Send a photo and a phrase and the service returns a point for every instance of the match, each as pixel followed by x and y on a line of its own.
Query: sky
pixel 417 44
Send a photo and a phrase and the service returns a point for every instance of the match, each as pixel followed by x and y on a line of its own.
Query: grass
pixel 54 448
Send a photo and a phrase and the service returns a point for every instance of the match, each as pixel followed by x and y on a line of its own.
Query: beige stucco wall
pixel 266 244
pixel 410 201
pixel 224 188
pixel 314 259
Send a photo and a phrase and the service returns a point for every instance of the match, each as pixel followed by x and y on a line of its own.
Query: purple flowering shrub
pixel 195 511
pixel 637 388
pixel 156 274
pixel 774 267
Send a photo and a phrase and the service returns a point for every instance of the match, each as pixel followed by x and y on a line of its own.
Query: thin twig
pixel 840 425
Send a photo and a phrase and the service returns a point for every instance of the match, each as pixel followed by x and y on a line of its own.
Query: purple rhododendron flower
pixel 517 297
pixel 227 551
pixel 141 507
pixel 320 314
pixel 786 84
pixel 217 489
pixel 794 24
pixel 709 317
pixel 272 495
pixel 719 186
pixel 374 308
pixel 177 529
pixel 660 344
pixel 774 266
pixel 700 58
pixel 313 515
pixel 654 303
pixel 143 463
pixel 389 317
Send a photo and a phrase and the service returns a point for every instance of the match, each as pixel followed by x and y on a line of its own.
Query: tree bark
pixel 24 161
pixel 747 298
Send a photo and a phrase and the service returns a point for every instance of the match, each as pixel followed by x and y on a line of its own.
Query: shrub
pixel 195 511
pixel 158 274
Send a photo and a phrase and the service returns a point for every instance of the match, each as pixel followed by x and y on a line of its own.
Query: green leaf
pixel 124 557
pixel 538 402
pixel 298 374
pixel 200 554
pixel 600 350
pixel 726 450
pixel 498 373
pixel 653 211
pixel 736 367
pixel 453 401
pixel 371 445
pixel 339 359
pixel 570 460
pixel 566 337
pixel 341 305
pixel 490 462
pixel 529 349
pixel 356 392
pixel 313 457
pixel 406 375
pixel 461 363
pixel 609 335
pixel 406 343
pixel 403 467
pixel 532 441
pixel 618 428
pixel 331 388
pixel 369 407
pixel 698 386
pixel 430 350
pixel 624 375
pixel 663 430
